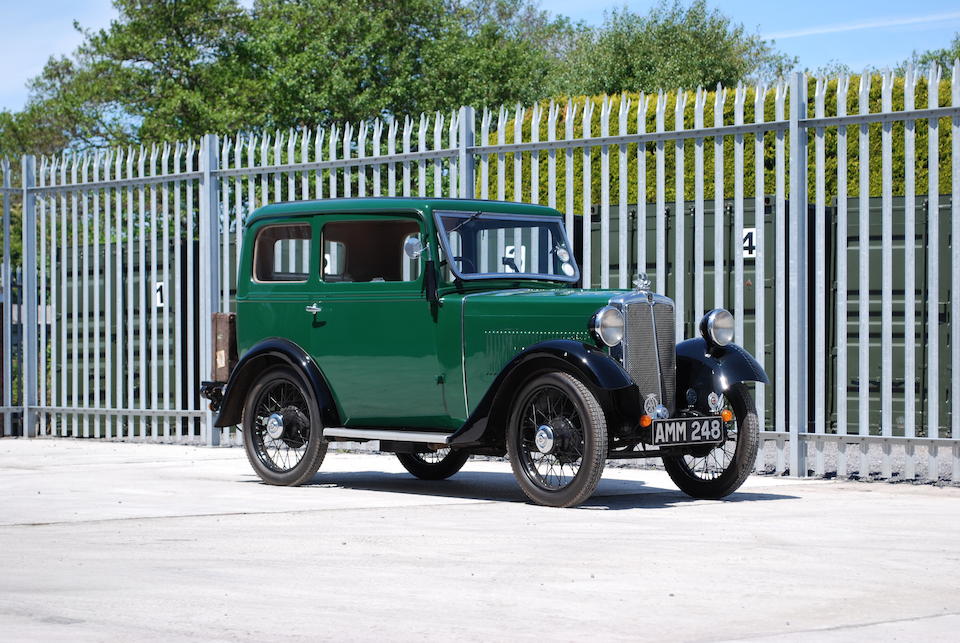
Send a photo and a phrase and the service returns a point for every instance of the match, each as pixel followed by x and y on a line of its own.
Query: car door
pixel 282 282
pixel 375 334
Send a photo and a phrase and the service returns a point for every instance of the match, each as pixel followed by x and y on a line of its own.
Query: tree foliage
pixel 174 69
pixel 672 46
pixel 943 57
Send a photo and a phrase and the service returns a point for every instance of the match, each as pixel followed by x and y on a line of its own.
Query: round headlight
pixel 607 325
pixel 717 327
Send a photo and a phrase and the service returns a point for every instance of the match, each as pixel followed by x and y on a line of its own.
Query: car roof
pixel 392 204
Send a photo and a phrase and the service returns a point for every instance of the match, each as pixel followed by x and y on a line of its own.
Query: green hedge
pixel 769 160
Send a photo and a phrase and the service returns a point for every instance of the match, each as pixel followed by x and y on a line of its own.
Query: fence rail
pixel 839 264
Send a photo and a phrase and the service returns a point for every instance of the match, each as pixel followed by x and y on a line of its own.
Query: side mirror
pixel 413 247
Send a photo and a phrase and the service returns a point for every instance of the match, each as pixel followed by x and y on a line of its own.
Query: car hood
pixel 499 324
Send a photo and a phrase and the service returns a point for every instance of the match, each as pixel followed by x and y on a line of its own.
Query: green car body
pixel 446 348
pixel 430 364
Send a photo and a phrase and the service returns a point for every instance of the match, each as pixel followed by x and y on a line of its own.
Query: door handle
pixel 313 309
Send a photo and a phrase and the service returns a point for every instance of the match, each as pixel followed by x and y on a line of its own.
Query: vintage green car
pixel 443 328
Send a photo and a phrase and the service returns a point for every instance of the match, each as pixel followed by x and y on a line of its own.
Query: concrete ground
pixel 110 541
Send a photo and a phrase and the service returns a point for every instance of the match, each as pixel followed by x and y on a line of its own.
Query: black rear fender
pixel 274 352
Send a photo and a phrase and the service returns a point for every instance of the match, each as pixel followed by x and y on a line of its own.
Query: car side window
pixel 369 250
pixel 282 253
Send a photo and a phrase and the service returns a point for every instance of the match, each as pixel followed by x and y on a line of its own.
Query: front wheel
pixel 434 465
pixel 721 470
pixel 557 440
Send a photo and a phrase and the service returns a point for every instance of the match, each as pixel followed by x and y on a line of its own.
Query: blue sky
pixel 855 32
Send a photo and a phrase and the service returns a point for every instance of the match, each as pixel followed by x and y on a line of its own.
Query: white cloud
pixel 861 26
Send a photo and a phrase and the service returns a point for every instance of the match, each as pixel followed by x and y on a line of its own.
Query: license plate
pixel 679 431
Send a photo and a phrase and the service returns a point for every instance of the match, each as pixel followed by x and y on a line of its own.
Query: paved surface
pixel 108 541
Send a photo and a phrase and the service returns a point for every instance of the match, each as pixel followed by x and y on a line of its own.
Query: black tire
pixel 292 457
pixel 434 465
pixel 577 438
pixel 720 471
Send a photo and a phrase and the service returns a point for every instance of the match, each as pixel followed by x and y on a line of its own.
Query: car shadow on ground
pixel 611 494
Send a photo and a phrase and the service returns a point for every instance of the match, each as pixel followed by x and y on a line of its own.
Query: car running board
pixel 383 434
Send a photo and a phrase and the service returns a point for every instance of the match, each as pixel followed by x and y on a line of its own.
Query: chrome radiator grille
pixel 650 348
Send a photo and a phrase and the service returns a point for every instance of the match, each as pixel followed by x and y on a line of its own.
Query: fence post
pixel 797 278
pixel 209 266
pixel 465 158
pixel 7 276
pixel 28 300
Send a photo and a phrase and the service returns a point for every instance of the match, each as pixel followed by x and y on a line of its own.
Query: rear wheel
pixel 720 471
pixel 434 465
pixel 282 434
pixel 557 440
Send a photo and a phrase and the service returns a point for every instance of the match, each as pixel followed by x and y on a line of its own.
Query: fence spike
pixel 305 134
pixel 319 135
pixel 865 81
pixel 453 127
pixel 438 120
pixel 680 107
pixel 392 127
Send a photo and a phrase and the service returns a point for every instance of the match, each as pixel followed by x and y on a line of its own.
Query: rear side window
pixel 282 253
pixel 369 250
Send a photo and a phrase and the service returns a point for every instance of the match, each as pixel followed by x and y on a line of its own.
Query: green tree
pixel 671 46
pixel 169 68
pixel 175 69
pixel 339 60
pixel 329 60
pixel 164 69
pixel 943 57
pixel 494 52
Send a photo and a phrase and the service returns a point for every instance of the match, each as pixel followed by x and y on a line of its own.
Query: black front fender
pixel 591 365
pixel 714 369
pixel 269 352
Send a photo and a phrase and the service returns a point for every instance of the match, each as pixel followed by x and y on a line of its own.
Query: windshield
pixel 483 245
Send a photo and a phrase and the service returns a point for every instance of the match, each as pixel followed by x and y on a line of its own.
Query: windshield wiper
pixel 466 221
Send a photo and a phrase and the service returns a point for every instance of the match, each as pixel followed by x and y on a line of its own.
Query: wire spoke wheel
pixel 281 426
pixel 549 415
pixel 283 441
pixel 711 465
pixel 434 465
pixel 557 440
pixel 432 457
pixel 720 470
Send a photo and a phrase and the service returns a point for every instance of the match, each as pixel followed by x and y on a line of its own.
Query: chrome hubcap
pixel 544 439
pixel 275 426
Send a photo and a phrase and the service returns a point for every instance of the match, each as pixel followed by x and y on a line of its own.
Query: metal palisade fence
pixel 821 213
